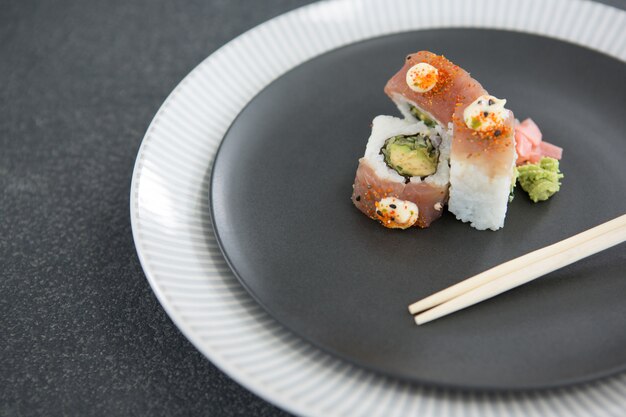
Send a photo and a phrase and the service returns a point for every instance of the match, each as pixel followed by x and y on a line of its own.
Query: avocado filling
pixel 411 156
pixel 421 116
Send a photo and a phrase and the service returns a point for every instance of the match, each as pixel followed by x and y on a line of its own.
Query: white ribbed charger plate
pixel 177 247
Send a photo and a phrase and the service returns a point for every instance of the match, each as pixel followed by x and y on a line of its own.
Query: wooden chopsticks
pixel 519 271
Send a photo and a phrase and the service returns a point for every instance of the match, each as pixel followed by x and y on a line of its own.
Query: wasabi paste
pixel 540 180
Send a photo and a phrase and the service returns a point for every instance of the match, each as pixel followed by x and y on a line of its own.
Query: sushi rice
pixel 376 181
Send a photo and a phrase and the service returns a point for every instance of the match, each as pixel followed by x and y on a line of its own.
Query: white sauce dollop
pixel 485 113
pixel 422 77
pixel 403 213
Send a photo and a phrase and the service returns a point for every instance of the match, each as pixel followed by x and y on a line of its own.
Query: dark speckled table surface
pixel 81 332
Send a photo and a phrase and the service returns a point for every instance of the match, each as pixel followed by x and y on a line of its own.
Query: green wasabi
pixel 540 180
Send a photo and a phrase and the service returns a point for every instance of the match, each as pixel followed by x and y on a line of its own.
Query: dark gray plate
pixel 280 202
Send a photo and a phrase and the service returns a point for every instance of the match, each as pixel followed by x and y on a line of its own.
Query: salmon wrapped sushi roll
pixel 429 86
pixel 402 180
pixel 432 89
pixel 482 160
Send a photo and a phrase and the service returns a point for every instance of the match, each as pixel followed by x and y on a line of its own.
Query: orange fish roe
pixel 495 136
pixel 447 71
pixel 443 84
pixel 388 215
pixel 423 76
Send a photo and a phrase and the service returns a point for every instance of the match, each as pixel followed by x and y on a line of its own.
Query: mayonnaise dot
pixel 401 212
pixel 422 77
pixel 485 113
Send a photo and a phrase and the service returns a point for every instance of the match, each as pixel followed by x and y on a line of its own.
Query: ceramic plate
pixel 281 209
pixel 179 253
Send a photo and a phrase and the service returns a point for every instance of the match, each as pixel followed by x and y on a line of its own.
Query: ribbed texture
pixel 177 247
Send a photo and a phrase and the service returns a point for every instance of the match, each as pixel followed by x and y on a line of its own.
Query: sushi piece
pixel 428 87
pixel 432 89
pixel 402 180
pixel 482 160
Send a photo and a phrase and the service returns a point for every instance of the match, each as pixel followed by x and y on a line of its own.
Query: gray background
pixel 81 333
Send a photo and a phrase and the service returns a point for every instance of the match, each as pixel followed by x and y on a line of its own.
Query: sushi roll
pixel 402 180
pixel 431 89
pixel 428 88
pixel 482 159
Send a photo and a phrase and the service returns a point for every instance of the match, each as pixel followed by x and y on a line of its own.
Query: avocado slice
pixel 421 116
pixel 411 156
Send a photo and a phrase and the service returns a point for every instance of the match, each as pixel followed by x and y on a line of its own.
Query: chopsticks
pixel 519 271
